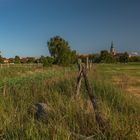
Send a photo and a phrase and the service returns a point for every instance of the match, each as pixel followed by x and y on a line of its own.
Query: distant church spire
pixel 112 50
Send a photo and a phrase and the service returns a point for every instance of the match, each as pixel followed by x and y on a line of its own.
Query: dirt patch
pixel 127 83
pixel 134 90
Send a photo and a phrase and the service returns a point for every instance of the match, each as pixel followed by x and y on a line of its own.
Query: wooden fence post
pixel 87 62
pixel 92 99
pixel 79 78
pixel 83 73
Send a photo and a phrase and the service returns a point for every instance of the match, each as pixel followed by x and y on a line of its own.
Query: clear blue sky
pixel 88 25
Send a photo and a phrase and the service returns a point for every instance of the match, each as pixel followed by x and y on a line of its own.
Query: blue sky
pixel 88 25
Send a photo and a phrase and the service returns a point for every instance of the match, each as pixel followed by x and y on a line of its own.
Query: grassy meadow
pixel 125 76
pixel 115 87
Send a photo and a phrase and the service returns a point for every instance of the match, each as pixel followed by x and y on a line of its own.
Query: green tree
pixel 60 50
pixel 17 59
pixel 124 58
pixel 103 55
pixel 73 57
pixel 41 59
pixel 46 61
pixel 134 59
pixel 106 57
pixel 30 60
pixel 1 59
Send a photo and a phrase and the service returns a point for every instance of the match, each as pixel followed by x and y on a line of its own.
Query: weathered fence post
pixel 92 98
pixel 90 65
pixel 79 78
pixel 83 73
pixel 87 62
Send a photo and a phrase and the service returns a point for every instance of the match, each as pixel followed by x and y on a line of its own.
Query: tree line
pixel 62 54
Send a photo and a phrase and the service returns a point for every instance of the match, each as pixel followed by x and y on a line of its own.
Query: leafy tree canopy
pixel 60 50
pixel 106 57
pixel 124 58
pixel 1 59
pixel 17 59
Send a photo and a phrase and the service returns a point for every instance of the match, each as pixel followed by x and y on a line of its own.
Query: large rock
pixel 40 111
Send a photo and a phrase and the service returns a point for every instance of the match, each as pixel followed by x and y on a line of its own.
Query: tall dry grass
pixel 70 118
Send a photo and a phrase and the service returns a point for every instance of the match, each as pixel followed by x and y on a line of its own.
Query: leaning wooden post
pixel 79 78
pixel 92 98
pixel 90 64
pixel 87 62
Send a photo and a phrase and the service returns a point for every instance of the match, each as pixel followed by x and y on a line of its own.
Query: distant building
pixel 112 49
pixel 5 60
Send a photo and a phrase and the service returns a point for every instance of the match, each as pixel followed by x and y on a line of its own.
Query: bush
pixel 47 61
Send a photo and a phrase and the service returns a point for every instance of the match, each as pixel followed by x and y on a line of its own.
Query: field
pixel 125 76
pixel 116 88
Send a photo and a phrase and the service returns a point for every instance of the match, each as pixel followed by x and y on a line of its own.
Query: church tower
pixel 112 50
